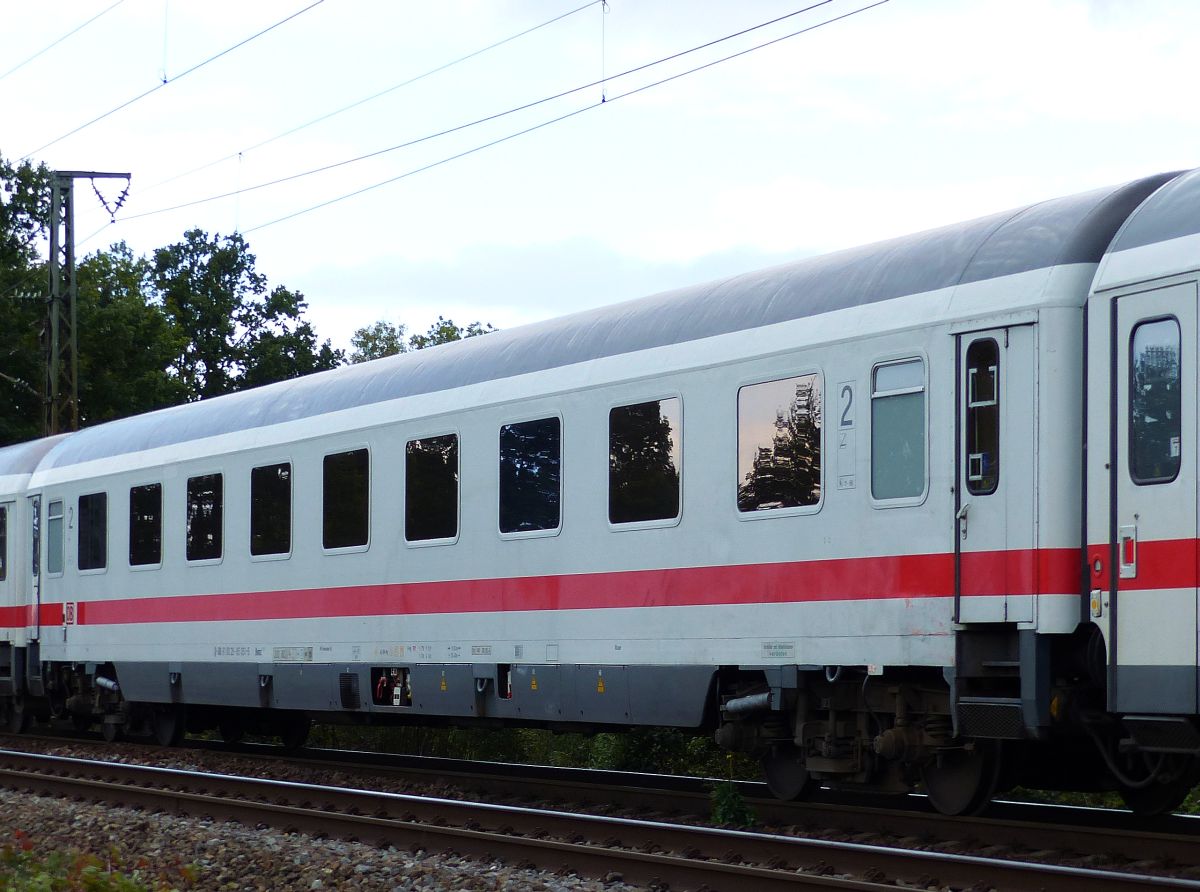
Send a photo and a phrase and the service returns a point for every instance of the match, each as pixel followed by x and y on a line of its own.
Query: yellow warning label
pixel 599 682
pixel 443 681
pixel 533 682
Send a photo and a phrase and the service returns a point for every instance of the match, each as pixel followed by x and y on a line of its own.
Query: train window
pixel 530 475
pixel 645 452
pixel 898 430
pixel 1155 402
pixel 205 503
pixel 145 525
pixel 93 531
pixel 271 509
pixel 347 499
pixel 779 444
pixel 983 417
pixel 54 537
pixel 431 488
pixel 3 543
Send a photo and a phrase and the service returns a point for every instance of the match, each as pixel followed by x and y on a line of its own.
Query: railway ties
pixel 643 852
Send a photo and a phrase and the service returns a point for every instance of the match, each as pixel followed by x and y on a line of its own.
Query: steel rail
pixel 643 851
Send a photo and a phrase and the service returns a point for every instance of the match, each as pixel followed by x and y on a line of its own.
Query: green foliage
pixel 22 869
pixel 729 807
pixel 382 338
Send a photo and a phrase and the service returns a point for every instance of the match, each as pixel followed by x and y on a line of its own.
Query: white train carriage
pixel 867 516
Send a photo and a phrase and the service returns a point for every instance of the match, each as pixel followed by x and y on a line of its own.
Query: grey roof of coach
pixel 1075 229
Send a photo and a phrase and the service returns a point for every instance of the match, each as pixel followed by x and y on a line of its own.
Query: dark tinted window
pixel 983 417
pixel 271 509
pixel 3 543
pixel 145 524
pixel 530 478
pixel 205 496
pixel 779 444
pixel 93 531
pixel 644 452
pixel 431 488
pixel 1155 402
pixel 347 499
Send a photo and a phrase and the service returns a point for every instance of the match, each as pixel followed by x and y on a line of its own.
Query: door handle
pixel 961 517
pixel 1127 551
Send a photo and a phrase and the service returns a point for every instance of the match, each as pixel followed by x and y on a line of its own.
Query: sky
pixel 900 117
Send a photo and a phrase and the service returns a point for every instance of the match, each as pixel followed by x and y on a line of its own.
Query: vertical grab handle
pixel 1127 551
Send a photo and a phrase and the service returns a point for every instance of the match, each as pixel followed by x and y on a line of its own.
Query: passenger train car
pixel 918 514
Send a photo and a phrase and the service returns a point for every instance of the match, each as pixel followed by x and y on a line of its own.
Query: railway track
pixel 677 856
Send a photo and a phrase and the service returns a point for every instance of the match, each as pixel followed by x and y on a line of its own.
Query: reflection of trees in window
pixel 1155 405
pixel 431 488
pixel 643 461
pixel 785 471
pixel 3 543
pixel 145 524
pixel 347 499
pixel 271 509
pixel 530 475
pixel 204 497
pixel 93 531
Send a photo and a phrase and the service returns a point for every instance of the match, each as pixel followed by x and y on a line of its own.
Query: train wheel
pixel 169 725
pixel 1178 775
pixel 787 777
pixel 112 731
pixel 963 781
pixel 16 717
pixel 81 723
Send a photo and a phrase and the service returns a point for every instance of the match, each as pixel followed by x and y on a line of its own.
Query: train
pixel 919 515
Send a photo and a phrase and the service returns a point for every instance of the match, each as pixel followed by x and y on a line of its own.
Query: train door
pixel 35 567
pixel 8 580
pixel 1152 643
pixel 995 536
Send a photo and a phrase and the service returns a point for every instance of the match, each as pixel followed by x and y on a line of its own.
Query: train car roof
pixel 1075 229
pixel 24 458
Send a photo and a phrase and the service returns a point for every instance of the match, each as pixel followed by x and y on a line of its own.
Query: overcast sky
pixel 905 116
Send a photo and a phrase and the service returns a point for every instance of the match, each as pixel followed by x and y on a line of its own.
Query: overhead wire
pixel 170 80
pixel 359 102
pixel 51 46
pixel 578 111
pixel 478 121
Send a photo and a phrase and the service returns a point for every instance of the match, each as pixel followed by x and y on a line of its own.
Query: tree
pixel 382 338
pixel 237 333
pixel 643 482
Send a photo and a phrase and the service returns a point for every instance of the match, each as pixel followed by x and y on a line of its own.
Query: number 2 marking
pixel 847 394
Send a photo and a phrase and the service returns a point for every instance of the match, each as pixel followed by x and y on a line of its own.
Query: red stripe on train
pixel 1050 571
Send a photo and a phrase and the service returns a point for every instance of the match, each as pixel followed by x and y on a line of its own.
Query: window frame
pixel 162 537
pixel 966 407
pixel 6 513
pixel 47 537
pixel 658 523
pixel 187 478
pixel 343 450
pixel 562 480
pixel 91 571
pixel 898 359
pixel 768 378
pixel 283 555
pixel 446 540
pixel 1129 388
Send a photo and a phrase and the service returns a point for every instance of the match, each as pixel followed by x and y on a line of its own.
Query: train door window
pixel 898 430
pixel 145 525
pixel 271 510
pixel 983 417
pixel 1155 407
pixel 431 489
pixel 645 453
pixel 93 531
pixel 779 444
pixel 346 521
pixel 531 476
pixel 3 543
pixel 205 506
pixel 54 537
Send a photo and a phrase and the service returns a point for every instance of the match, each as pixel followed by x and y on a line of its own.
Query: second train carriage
pixel 919 512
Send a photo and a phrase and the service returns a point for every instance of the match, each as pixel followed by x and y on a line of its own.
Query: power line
pixel 170 80
pixel 372 97
pixel 51 46
pixel 578 111
pixel 478 121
